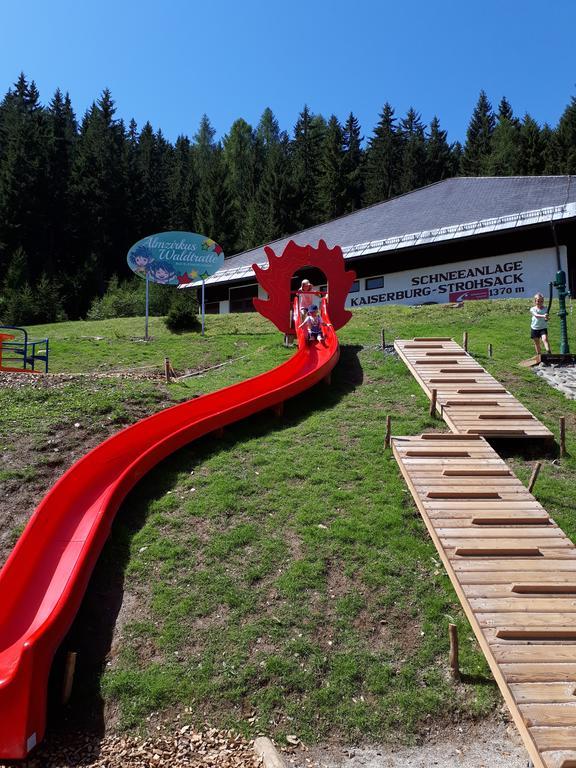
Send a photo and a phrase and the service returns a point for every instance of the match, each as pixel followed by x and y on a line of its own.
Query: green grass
pixel 281 579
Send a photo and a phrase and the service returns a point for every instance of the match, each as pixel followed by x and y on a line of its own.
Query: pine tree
pixel 478 138
pixel 24 175
pixel 504 159
pixel 413 158
pixel 566 137
pixel 382 159
pixel 203 148
pixel 98 188
pixel 305 152
pixel 439 162
pixel 214 205
pixel 331 179
pixel 531 148
pixel 352 164
pixel 240 161
pixel 61 145
pixel 268 213
pixel 183 187
pixel 553 159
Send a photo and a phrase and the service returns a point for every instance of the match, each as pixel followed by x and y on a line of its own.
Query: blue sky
pixel 171 61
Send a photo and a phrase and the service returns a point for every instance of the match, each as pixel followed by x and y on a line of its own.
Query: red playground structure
pixel 44 579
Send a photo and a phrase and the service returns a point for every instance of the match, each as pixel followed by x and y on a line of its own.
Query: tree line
pixel 74 195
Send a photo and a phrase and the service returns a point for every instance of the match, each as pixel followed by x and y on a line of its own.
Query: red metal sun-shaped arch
pixel 277 277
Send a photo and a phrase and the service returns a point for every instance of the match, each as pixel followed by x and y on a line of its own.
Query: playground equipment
pixel 513 568
pixel 44 579
pixel 469 399
pixel 16 347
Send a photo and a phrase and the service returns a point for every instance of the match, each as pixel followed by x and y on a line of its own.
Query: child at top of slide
pixel 306 294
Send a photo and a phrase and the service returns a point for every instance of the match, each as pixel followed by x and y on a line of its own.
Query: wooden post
pixel 383 338
pixel 562 436
pixel 388 432
pixel 454 665
pixel 489 350
pixel 534 475
pixel 69 669
pixel 167 369
pixel 465 341
pixel 433 403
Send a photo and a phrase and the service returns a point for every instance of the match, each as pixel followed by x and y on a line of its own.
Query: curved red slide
pixel 44 579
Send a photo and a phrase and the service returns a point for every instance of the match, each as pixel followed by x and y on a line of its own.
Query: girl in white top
pixel 306 296
pixel 539 324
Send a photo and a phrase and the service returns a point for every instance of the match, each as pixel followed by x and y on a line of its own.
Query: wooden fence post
pixel 388 432
pixel 433 403
pixel 562 436
pixel 534 476
pixel 69 669
pixel 167 369
pixel 465 341
pixel 454 664
pixel 489 350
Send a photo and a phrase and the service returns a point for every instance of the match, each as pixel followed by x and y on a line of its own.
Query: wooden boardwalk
pixel 469 399
pixel 514 571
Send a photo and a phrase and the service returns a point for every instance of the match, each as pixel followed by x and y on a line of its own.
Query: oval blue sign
pixel 175 258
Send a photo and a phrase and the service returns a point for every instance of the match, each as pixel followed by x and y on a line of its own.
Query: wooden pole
pixel 465 341
pixel 562 436
pixel 388 432
pixel 433 403
pixel 454 664
pixel 534 475
pixel 489 350
pixel 167 369
pixel 383 338
pixel 69 669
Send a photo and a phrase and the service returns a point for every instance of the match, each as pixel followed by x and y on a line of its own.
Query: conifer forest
pixel 77 192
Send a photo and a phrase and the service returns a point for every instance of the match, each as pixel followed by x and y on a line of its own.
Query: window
pixel 374 282
pixel 241 298
pixel 355 287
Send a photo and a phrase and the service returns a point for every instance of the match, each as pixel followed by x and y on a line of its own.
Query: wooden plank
pixel 548 738
pixel 532 693
pixel 542 672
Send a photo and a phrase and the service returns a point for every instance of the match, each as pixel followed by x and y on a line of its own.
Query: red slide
pixel 44 579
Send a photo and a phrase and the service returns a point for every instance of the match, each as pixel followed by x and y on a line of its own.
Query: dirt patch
pixel 33 462
pixel 485 745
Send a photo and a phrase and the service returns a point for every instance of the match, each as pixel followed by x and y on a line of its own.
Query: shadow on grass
pixel 92 632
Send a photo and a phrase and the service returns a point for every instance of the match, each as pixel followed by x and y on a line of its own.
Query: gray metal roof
pixel 457 207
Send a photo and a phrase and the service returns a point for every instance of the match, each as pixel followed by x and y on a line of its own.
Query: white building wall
pixel 515 275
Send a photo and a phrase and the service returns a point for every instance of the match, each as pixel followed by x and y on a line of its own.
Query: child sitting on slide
pixel 314 324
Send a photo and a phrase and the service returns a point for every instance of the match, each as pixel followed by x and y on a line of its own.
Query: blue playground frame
pixel 23 351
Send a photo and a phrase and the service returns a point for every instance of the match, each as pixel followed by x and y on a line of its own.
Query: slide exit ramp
pixel 44 580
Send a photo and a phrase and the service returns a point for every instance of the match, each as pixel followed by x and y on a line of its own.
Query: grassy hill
pixel 278 579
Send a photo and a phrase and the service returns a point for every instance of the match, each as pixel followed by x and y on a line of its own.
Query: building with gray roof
pixel 454 240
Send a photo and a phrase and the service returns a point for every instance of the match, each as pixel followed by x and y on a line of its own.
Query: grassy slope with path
pixel 280 579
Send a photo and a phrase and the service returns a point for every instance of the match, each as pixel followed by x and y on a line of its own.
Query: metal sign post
pixel 203 306
pixel 147 306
